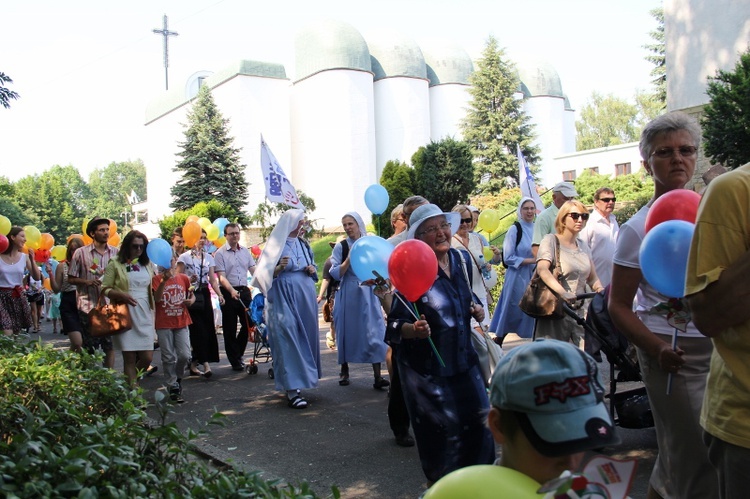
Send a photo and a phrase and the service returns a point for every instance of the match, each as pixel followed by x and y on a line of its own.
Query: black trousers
pixel 398 414
pixel 235 342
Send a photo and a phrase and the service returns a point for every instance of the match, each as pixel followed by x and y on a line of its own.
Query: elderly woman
pixel 669 147
pixel 286 275
pixel 358 318
pixel 576 267
pixel 508 317
pixel 127 279
pixel 398 220
pixel 200 267
pixel 447 403
pixel 15 312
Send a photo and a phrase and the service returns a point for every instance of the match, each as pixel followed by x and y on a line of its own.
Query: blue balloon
pixel 376 199
pixel 368 254
pixel 221 222
pixel 664 256
pixel 160 252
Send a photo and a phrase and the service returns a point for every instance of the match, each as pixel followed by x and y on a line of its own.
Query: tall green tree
pixel 606 121
pixel 6 94
pixel 210 166
pixel 56 199
pixel 726 118
pixel 443 172
pixel 658 58
pixel 495 122
pixel 111 185
pixel 398 179
pixel 211 209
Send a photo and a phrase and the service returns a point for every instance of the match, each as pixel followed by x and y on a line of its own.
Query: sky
pixel 87 69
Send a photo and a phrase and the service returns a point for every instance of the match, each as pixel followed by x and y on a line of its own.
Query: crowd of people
pixel 433 347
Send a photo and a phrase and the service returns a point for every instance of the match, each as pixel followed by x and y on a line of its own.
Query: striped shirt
pixel 87 263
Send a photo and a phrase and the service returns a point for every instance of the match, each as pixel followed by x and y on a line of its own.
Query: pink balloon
pixel 3 243
pixel 679 204
pixel 412 268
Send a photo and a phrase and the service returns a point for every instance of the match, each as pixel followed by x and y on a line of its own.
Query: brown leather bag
pixel 538 300
pixel 108 319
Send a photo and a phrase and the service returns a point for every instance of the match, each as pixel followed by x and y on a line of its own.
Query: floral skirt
pixel 15 312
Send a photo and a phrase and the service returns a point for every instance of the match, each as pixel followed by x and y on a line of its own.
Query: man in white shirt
pixel 601 232
pixel 545 222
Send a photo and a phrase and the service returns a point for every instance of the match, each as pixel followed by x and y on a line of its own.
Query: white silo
pixel 333 120
pixel 544 103
pixel 448 69
pixel 402 100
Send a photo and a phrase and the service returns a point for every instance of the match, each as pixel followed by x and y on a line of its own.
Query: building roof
pixel 329 44
pixel 447 63
pixel 539 78
pixel 394 54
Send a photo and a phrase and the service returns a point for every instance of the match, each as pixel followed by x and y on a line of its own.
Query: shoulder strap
pixel 519 232
pixel 344 249
pixel 475 263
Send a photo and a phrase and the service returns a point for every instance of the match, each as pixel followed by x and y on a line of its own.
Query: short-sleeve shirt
pixel 88 264
pixel 192 263
pixel 600 234
pixel 171 312
pixel 545 224
pixel 574 263
pixel 234 264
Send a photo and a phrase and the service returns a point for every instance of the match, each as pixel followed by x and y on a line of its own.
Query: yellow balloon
pixel 5 225
pixel 83 225
pixel 212 232
pixel 488 253
pixel 47 284
pixel 489 220
pixel 58 253
pixel 204 223
pixel 220 242
pixel 484 481
pixel 191 218
pixel 33 236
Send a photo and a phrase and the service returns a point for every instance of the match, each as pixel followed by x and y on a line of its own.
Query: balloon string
pixel 669 376
pixel 415 313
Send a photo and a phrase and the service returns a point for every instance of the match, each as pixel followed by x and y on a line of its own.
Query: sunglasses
pixel 608 200
pixel 467 220
pixel 576 216
pixel 136 246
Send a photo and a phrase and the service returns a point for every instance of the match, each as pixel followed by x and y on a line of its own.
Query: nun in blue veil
pixel 508 317
pixel 286 275
pixel 357 316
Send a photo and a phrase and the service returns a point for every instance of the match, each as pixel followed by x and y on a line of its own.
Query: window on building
pixel 622 169
pixel 569 175
pixel 593 169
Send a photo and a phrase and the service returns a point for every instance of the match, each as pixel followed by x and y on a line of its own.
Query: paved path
pixel 341 439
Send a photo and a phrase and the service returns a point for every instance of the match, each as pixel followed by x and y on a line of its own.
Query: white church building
pixel 353 104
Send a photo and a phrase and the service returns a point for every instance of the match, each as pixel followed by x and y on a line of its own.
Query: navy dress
pixel 447 404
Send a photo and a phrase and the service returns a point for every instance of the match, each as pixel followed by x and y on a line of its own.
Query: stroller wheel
pixel 270 373
pixel 252 369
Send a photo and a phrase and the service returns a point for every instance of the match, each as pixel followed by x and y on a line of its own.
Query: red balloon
pixel 412 268
pixel 41 255
pixel 679 204
pixel 3 243
pixel 255 250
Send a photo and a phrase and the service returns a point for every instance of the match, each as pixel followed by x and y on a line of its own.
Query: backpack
pixel 519 235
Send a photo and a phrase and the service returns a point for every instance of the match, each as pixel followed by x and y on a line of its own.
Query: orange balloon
pixel 191 218
pixel 87 239
pixel 114 239
pixel 47 284
pixel 191 232
pixel 112 229
pixel 79 236
pixel 47 241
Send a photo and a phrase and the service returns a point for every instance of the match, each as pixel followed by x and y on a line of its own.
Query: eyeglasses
pixel 467 220
pixel 608 200
pixel 233 233
pixel 668 152
pixel 433 230
pixel 136 246
pixel 576 216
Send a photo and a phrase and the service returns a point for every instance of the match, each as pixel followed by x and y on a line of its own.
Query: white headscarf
pixel 520 205
pixel 263 277
pixel 360 222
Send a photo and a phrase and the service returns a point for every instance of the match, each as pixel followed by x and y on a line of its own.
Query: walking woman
pixel 286 276
pixel 508 316
pixel 71 323
pixel 199 266
pixel 127 279
pixel 360 328
pixel 15 313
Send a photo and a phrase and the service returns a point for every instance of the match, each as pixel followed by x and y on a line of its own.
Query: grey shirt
pixel 234 264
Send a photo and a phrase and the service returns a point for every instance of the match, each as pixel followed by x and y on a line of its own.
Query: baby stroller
pixel 629 408
pixel 258 333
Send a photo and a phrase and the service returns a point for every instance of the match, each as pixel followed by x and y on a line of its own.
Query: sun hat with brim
pixel 554 389
pixel 427 211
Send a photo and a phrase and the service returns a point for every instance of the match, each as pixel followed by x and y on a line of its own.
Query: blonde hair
pixel 566 208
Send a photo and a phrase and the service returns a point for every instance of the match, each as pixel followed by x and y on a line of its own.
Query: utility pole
pixel 166 34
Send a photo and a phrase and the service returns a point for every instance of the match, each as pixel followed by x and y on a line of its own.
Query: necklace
pixel 445 266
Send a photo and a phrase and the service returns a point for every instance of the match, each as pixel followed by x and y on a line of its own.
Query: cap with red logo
pixel 555 390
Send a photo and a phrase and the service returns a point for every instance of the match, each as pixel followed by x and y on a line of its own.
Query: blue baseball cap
pixel 554 389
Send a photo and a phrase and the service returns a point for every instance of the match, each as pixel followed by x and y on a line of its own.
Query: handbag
pixel 539 301
pixel 491 278
pixel 108 319
pixel 200 300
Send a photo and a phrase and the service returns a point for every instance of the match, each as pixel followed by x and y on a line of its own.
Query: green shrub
pixel 71 428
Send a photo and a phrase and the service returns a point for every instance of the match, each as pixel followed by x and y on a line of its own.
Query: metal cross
pixel 166 34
